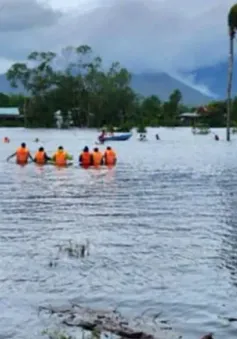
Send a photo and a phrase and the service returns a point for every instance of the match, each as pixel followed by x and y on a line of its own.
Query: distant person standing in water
pixel 216 137
pixel 22 155
pixel 157 137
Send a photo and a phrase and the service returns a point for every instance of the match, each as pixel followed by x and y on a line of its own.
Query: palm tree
pixel 232 25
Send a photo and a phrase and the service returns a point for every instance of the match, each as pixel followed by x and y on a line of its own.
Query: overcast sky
pixel 163 35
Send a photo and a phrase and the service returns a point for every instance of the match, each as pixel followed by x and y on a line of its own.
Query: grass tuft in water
pixel 74 249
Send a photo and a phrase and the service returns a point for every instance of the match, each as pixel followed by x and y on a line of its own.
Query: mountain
pixel 5 86
pixel 215 77
pixel 146 84
pixel 163 85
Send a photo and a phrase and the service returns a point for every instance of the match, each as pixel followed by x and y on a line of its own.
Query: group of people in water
pixel 96 158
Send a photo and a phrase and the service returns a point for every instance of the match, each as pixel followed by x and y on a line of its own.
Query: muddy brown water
pixel 162 228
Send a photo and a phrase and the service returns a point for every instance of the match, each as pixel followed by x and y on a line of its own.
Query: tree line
pixel 77 83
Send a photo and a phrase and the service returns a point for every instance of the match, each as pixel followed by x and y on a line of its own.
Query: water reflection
pixel 228 182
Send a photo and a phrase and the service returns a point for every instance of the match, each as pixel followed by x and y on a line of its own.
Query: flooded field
pixel 162 228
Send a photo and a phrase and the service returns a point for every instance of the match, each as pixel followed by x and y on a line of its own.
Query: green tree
pixel 76 83
pixel 215 115
pixel 4 100
pixel 171 108
pixel 36 80
pixel 151 111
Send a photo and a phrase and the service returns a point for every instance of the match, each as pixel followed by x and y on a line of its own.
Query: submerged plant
pixel 72 249
pixel 53 263
pixel 75 249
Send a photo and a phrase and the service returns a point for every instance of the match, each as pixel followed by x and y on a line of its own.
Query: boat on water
pixel 115 137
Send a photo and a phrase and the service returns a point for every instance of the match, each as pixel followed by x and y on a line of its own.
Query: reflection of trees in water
pixel 228 253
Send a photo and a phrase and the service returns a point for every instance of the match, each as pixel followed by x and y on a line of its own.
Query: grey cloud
pixel 125 30
pixel 158 35
pixel 142 34
pixel 21 15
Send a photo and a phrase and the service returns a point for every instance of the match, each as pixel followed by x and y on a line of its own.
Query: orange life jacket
pixel 85 159
pixel 110 157
pixel 40 158
pixel 22 155
pixel 60 158
pixel 97 158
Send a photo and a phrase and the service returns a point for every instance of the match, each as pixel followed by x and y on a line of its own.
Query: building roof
pixel 190 115
pixel 9 111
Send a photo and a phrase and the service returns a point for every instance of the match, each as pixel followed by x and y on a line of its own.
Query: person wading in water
pixel 22 155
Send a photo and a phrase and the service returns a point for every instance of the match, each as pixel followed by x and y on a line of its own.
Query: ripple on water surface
pixel 162 229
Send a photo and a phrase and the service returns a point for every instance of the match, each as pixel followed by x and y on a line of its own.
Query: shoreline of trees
pixel 76 83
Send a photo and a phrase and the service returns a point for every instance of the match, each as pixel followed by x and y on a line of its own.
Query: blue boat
pixel 116 137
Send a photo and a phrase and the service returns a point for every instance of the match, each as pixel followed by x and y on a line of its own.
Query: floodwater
pixel 162 228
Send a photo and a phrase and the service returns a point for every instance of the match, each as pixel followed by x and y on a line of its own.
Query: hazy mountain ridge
pixel 163 85
pixel 146 84
pixel 215 77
